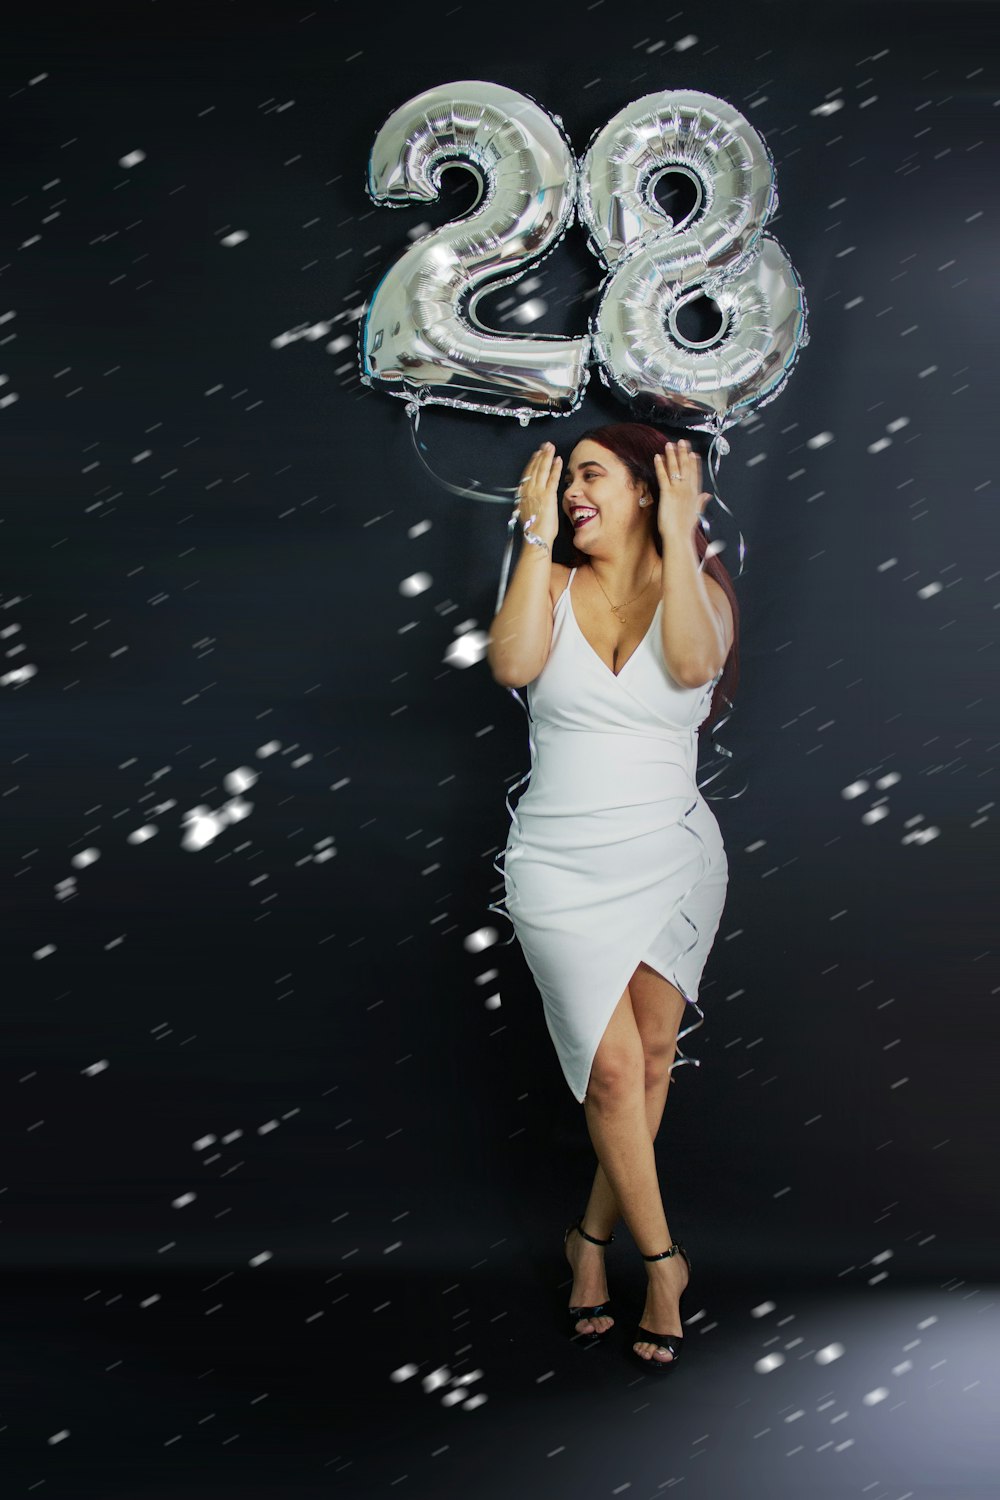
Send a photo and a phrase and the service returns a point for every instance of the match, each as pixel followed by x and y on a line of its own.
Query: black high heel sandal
pixel 668 1341
pixel 602 1307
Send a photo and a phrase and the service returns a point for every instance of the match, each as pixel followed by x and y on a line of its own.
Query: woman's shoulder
pixel 558 581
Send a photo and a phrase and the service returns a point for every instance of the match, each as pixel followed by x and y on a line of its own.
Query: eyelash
pixel 591 475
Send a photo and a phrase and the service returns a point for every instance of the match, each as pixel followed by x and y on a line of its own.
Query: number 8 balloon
pixel 718 251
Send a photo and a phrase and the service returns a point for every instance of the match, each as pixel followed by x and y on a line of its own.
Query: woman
pixel 615 870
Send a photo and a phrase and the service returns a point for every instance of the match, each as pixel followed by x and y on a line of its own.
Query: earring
pixel 644 502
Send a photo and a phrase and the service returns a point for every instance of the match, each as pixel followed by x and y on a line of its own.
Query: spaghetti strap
pixel 569 585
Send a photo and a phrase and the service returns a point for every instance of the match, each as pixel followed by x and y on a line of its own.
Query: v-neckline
pixel 591 649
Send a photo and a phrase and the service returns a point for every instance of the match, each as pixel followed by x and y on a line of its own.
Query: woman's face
pixel 597 482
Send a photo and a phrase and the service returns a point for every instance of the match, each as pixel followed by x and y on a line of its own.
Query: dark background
pixel 205 541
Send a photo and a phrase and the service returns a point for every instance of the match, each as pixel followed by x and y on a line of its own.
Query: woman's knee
pixel 658 1059
pixel 617 1073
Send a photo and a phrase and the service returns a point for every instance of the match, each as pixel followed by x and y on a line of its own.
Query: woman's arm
pixel 521 633
pixel 694 636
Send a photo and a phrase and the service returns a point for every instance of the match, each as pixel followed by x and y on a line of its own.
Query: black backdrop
pixel 206 535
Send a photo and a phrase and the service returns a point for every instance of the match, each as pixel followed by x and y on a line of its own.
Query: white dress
pixel 613 855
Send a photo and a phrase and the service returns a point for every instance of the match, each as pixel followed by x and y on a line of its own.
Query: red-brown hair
pixel 635 443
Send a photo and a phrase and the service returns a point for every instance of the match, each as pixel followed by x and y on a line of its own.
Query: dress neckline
pixel 591 649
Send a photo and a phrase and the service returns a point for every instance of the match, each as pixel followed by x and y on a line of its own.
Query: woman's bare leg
pixel 658 1007
pixel 590 1287
pixel 624 1107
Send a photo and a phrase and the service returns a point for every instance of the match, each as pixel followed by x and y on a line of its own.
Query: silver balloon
pixel 658 266
pixel 416 340
pixel 677 131
pixel 646 355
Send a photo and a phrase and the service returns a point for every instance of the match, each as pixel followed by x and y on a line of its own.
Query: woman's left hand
pixel 682 498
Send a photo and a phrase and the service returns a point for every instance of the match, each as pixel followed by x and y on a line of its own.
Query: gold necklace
pixel 617 608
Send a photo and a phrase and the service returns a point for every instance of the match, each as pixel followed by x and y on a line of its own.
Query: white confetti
pixel 827 1355
pixel 920 836
pixel 19 674
pixel 483 937
pixel 468 649
pixel 240 780
pixel 531 311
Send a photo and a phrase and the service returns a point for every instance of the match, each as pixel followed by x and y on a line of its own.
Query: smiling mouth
pixel 582 521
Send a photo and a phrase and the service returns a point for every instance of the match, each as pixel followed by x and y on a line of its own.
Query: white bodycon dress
pixel 613 855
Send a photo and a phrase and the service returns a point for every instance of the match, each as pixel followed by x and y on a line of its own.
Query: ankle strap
pixel 664 1253
pixel 593 1240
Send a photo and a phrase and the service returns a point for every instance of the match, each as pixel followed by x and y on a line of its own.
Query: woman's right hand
pixel 538 493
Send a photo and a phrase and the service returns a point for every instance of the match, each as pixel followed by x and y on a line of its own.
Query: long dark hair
pixel 635 443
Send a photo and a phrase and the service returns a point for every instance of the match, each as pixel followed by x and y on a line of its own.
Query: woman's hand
pixel 538 494
pixel 682 498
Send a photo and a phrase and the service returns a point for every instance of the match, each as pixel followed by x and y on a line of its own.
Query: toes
pixel 653 1351
pixel 591 1326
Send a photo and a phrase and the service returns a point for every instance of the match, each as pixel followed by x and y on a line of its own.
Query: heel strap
pixel 674 1249
pixel 578 1226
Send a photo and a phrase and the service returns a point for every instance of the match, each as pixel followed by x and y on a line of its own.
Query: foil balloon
pixel 420 338
pixel 647 356
pixel 658 266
